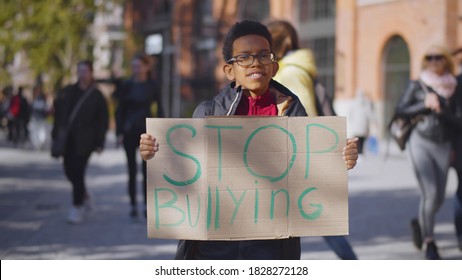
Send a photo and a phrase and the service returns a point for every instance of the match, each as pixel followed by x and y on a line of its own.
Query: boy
pixel 250 65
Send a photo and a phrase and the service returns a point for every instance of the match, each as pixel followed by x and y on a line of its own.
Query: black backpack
pixel 324 103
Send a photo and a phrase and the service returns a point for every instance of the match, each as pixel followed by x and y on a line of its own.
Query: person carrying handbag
pixel 429 143
pixel 82 109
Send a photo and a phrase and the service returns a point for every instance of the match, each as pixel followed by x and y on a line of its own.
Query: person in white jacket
pixel 359 118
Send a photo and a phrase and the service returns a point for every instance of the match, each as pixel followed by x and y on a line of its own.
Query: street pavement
pixel 35 198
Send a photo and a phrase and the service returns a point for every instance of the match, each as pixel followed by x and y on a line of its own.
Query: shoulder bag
pixel 401 127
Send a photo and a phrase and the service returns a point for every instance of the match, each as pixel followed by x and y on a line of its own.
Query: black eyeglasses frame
pixel 258 56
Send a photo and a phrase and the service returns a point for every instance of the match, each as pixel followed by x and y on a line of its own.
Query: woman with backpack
pixel 297 71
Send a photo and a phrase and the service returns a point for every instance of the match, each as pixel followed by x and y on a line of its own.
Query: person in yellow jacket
pixel 297 66
pixel 297 69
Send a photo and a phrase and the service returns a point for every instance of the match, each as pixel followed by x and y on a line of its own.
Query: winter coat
pixel 456 106
pixel 90 124
pixel 296 72
pixel 225 104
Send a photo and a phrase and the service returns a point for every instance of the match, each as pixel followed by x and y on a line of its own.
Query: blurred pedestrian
pixel 457 147
pixel 82 110
pixel 297 71
pixel 5 98
pixel 297 66
pixel 18 116
pixel 430 142
pixel 135 97
pixel 360 117
pixel 38 123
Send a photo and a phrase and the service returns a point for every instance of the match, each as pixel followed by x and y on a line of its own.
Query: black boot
pixel 133 212
pixel 432 252
pixel 416 234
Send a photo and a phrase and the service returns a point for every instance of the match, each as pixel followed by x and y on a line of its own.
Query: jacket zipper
pixel 235 100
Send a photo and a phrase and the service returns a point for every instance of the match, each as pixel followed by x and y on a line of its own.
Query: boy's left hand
pixel 350 153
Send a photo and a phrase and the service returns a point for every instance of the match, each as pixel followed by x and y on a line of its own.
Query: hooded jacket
pixel 225 104
pixel 296 72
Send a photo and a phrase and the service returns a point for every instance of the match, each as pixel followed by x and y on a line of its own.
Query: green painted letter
pixel 309 216
pixel 308 148
pixel 198 165
pixel 168 204
pixel 218 128
pixel 273 195
pixel 292 160
pixel 237 203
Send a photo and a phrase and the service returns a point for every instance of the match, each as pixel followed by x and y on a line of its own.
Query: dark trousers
pixel 17 131
pixel 240 250
pixel 361 140
pixel 75 166
pixel 131 144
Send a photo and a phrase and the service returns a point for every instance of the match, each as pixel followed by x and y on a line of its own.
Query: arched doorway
pixel 396 73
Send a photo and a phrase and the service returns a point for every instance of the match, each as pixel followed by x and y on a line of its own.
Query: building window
pixel 254 10
pixel 396 73
pixel 316 9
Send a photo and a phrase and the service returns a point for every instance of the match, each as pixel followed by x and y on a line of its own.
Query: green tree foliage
pixel 53 35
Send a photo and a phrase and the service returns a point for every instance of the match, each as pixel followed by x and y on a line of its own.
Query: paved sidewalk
pixel 35 197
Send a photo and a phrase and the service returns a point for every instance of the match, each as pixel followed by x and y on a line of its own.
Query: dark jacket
pixel 225 104
pixel 456 120
pixel 432 126
pixel 134 108
pixel 88 130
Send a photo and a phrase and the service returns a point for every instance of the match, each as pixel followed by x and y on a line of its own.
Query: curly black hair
pixel 240 29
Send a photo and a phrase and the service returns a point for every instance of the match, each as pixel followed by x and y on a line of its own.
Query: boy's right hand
pixel 148 146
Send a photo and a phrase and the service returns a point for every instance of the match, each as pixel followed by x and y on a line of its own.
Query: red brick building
pixel 187 34
pixel 369 45
pixel 380 43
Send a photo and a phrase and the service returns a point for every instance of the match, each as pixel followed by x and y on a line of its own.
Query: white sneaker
pixel 75 215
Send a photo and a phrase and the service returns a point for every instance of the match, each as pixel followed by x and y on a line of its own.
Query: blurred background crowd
pixel 372 47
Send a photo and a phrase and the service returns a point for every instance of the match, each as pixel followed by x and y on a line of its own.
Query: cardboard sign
pixel 239 178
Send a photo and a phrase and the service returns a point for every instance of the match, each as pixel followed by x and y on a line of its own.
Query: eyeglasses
pixel 248 59
pixel 435 57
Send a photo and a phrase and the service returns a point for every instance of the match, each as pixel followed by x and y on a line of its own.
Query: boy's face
pixel 256 76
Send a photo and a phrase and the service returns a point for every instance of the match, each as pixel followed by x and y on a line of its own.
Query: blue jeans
pixel 341 247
